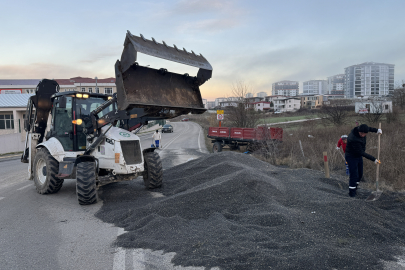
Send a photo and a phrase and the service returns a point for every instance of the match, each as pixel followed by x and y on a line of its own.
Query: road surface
pixel 55 232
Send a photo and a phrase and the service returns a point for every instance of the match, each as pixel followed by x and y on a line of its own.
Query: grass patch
pixel 279 119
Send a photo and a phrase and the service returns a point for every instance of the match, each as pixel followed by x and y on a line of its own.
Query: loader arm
pixel 160 93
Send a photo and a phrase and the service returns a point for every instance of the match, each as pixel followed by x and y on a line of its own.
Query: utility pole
pixel 97 91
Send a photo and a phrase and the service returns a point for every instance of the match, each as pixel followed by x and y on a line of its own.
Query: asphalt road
pixel 55 232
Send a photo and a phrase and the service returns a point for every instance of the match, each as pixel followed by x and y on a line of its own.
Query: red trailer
pixel 253 138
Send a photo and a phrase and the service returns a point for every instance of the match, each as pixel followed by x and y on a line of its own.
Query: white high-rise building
pixel 285 88
pixel 261 94
pixel 369 79
pixel 336 84
pixel 249 95
pixel 315 87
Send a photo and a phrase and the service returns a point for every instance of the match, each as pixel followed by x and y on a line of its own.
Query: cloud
pixel 96 57
pixel 210 25
pixel 208 16
pixel 183 7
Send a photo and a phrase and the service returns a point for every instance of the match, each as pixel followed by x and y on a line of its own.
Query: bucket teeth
pixel 153 48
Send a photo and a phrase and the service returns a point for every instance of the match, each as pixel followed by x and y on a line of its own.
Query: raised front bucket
pixel 159 92
pixel 143 87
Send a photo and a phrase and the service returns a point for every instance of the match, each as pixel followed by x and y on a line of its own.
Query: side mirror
pixel 62 102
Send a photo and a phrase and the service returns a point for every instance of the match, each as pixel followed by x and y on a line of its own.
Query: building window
pixel 6 121
pixel 386 107
pixel 90 90
pixel 97 90
pixel 108 91
pixel 83 89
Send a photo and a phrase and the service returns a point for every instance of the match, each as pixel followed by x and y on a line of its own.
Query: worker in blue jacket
pixel 355 151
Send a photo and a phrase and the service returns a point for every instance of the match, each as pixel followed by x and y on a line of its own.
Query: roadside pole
pixel 325 161
pixel 220 116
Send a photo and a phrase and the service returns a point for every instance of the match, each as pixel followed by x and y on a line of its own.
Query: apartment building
pixel 262 106
pixel 369 79
pixel 285 88
pixel 210 104
pixel 81 84
pixel 312 101
pixel 336 84
pixel 288 104
pixel 314 87
pixel 219 100
pixel 272 98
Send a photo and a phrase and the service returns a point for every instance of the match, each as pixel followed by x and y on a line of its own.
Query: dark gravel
pixel 233 211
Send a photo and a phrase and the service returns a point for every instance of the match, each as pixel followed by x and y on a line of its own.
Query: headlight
pixel 79 95
pixel 77 122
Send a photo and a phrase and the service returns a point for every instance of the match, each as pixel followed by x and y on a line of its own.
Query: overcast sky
pixel 257 42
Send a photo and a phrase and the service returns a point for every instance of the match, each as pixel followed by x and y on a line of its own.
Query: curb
pixel 10 157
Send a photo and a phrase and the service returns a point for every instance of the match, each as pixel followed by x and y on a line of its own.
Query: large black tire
pixel 153 173
pixel 45 168
pixel 217 147
pixel 86 187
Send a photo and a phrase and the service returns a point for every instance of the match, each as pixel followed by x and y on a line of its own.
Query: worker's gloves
pixel 379 131
pixel 377 161
pixel 338 148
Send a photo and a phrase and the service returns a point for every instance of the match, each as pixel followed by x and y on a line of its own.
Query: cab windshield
pixel 84 106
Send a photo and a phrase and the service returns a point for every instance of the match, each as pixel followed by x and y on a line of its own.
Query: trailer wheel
pixel 45 168
pixel 86 188
pixel 153 173
pixel 217 147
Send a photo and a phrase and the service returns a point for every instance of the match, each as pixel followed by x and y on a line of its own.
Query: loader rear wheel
pixel 153 173
pixel 217 147
pixel 45 168
pixel 86 188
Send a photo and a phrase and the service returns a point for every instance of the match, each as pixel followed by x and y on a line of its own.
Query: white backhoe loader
pixel 92 137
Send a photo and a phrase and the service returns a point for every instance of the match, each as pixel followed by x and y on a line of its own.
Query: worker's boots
pixel 352 192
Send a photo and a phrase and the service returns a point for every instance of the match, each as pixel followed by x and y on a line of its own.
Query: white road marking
pixel 139 259
pixel 199 133
pixel 119 256
pixel 167 145
pixel 1 198
pixel 21 188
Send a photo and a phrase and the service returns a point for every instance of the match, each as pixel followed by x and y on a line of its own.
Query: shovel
pixel 375 195
pixel 347 167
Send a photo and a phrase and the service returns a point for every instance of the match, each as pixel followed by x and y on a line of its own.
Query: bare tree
pixel 398 96
pixel 376 111
pixel 239 114
pixel 337 112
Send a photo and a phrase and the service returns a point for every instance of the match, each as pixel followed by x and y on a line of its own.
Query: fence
pixel 11 143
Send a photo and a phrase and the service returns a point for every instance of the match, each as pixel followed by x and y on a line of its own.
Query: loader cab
pixel 71 117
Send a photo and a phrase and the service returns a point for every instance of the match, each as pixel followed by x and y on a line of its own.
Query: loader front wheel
pixel 45 170
pixel 153 173
pixel 86 188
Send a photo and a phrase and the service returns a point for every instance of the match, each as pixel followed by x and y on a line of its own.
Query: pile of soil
pixel 233 211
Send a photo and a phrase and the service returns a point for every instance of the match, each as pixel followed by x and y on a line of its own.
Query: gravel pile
pixel 233 211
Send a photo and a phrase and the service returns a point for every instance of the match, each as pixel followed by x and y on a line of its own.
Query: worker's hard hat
pixel 344 137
